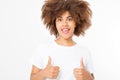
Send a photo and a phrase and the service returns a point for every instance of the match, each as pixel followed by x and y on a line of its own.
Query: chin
pixel 67 37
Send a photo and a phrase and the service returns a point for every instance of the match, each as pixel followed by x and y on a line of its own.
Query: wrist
pixel 42 74
pixel 91 77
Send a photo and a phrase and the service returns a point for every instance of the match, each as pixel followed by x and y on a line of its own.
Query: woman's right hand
pixel 50 71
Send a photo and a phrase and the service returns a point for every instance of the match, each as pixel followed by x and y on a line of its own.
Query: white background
pixel 21 30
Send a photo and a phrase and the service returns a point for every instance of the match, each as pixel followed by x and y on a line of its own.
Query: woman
pixel 64 59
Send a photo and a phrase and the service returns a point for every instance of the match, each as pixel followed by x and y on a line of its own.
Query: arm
pixel 82 74
pixel 92 76
pixel 48 72
pixel 37 74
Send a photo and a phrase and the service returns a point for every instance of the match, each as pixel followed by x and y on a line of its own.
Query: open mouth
pixel 65 30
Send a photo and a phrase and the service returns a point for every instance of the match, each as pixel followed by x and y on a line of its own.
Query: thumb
pixel 49 61
pixel 82 63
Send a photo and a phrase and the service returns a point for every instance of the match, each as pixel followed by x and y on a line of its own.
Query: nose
pixel 65 23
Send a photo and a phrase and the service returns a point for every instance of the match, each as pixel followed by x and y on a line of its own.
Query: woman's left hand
pixel 81 73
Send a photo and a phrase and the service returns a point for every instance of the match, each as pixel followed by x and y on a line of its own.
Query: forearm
pixel 37 76
pixel 92 77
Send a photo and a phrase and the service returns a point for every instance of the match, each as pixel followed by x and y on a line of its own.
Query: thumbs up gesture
pixel 81 73
pixel 51 71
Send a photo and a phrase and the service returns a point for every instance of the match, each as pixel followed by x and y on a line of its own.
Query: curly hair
pixel 79 10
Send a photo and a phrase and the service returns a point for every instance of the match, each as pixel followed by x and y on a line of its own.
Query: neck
pixel 65 42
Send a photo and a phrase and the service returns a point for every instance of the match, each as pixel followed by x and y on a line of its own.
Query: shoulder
pixel 83 49
pixel 43 46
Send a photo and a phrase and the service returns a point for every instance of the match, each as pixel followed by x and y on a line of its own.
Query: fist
pixel 51 71
pixel 81 73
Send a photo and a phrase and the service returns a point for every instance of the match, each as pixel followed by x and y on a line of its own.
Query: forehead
pixel 65 14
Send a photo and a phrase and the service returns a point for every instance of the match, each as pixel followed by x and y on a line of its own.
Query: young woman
pixel 64 59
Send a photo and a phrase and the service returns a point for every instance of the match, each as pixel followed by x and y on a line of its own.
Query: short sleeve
pixel 89 65
pixel 37 58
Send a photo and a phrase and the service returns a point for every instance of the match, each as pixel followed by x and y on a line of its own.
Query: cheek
pixel 73 26
pixel 58 25
pixel 73 29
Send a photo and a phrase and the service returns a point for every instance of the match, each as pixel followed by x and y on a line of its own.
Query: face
pixel 65 25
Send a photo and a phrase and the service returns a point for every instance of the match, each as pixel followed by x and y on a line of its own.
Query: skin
pixel 81 73
pixel 49 71
pixel 65 25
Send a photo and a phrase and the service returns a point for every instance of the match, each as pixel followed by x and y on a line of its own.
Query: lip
pixel 65 30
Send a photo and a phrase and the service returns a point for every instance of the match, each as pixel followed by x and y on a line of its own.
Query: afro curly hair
pixel 79 10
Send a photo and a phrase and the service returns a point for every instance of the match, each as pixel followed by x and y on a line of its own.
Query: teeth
pixel 65 30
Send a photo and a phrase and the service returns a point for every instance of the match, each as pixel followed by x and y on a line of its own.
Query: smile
pixel 65 30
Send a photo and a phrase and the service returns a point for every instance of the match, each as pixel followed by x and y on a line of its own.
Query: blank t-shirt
pixel 66 57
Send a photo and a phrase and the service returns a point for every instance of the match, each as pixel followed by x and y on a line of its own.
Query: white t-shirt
pixel 66 57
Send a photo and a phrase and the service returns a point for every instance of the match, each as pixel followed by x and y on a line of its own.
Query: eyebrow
pixel 61 17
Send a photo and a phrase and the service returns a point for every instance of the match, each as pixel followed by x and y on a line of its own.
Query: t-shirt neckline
pixel 58 45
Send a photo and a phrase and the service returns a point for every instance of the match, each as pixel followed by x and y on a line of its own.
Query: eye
pixel 59 19
pixel 70 19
